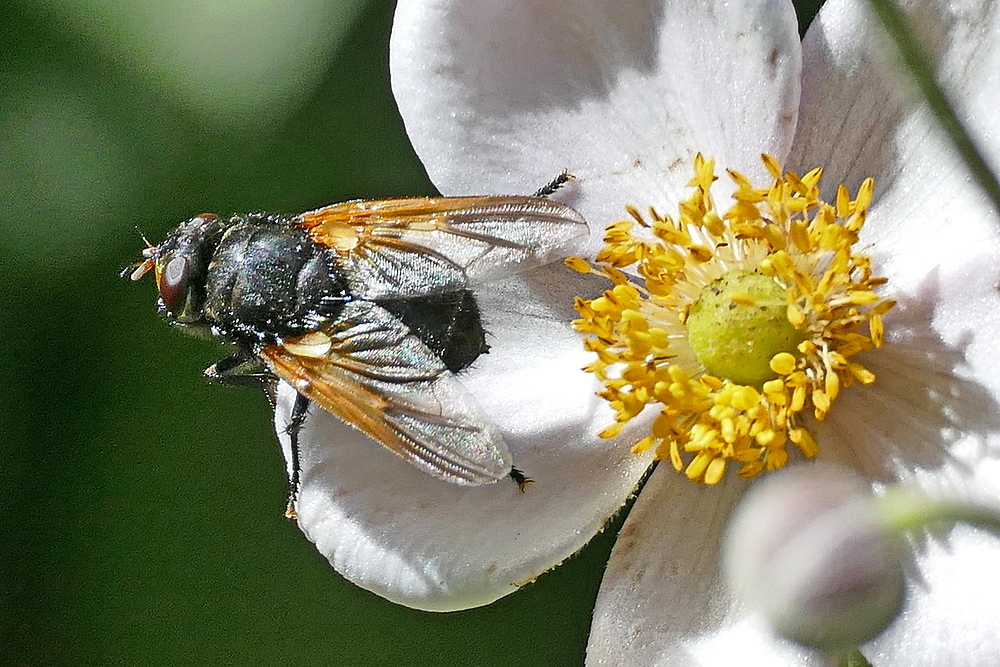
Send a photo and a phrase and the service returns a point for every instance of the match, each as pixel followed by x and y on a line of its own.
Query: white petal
pixel 661 601
pixel 856 122
pixel 930 230
pixel 500 96
pixel 425 543
pixel 853 99
pixel 942 260
pixel 850 105
pixel 926 403
pixel 935 402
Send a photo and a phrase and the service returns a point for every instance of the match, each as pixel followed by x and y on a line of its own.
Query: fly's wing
pixel 420 246
pixel 368 370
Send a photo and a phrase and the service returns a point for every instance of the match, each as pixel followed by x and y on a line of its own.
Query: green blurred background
pixel 142 508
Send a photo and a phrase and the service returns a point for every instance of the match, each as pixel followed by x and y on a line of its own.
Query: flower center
pixel 738 326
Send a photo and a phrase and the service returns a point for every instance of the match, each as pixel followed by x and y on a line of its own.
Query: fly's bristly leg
pixel 520 479
pixel 241 369
pixel 300 410
pixel 244 369
pixel 553 185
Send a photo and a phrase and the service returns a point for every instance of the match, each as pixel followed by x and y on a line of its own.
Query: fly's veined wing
pixel 368 370
pixel 414 247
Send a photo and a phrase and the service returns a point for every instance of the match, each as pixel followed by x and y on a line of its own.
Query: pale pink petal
pixel 425 543
pixel 502 95
pixel 661 601
pixel 856 121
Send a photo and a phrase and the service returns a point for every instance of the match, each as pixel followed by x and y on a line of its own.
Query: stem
pixel 916 60
pixel 851 658
pixel 906 508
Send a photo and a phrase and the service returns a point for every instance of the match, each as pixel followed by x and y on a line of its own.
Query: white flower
pixel 498 97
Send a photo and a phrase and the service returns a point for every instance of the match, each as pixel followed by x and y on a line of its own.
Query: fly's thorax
pixel 268 280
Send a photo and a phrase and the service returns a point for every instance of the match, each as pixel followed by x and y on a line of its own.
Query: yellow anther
pixel 831 386
pixel 774 387
pixel 716 469
pixel 860 373
pixel 612 431
pixel 804 440
pixel 602 305
pixel 877 329
pixel 578 264
pixel 766 437
pixel 822 403
pixel 796 316
pixel 783 363
pixel 696 469
pixel 643 445
pixel 862 298
pixel 772 165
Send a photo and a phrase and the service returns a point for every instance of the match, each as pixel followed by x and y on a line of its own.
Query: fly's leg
pixel 243 369
pixel 299 412
pixel 553 185
pixel 520 479
pixel 247 370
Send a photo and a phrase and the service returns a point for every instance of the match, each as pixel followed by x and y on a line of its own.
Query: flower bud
pixel 806 549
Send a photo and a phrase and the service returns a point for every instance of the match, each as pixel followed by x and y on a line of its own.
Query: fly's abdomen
pixel 448 323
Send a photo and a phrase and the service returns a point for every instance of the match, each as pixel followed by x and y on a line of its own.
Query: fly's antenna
pixel 143 237
pixel 139 269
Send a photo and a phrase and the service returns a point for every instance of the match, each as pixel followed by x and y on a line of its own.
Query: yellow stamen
pixel 716 411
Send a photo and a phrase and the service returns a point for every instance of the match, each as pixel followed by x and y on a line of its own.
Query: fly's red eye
pixel 173 281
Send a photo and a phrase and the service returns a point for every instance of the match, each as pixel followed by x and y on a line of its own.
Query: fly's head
pixel 180 265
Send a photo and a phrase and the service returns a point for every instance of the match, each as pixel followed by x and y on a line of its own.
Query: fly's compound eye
pixel 173 281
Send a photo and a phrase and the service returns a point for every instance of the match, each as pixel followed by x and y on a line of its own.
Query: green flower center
pixel 738 323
